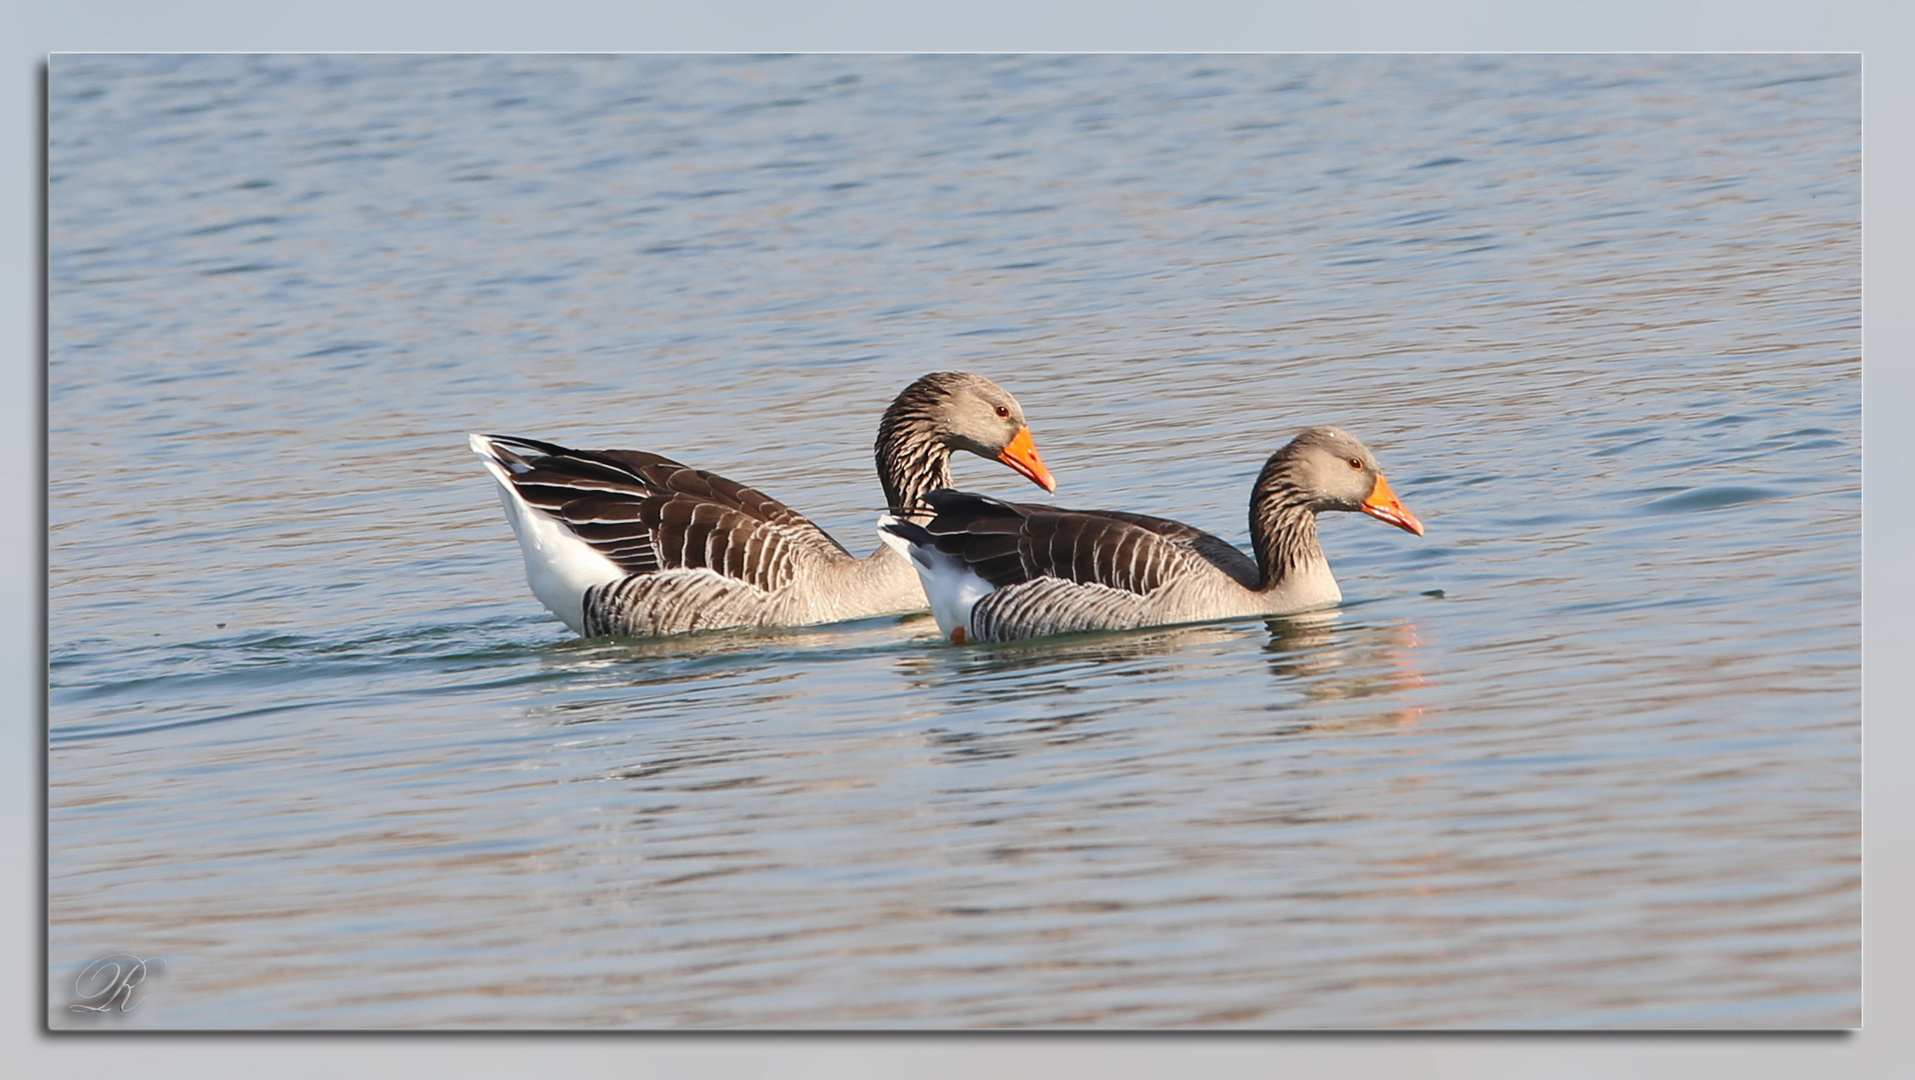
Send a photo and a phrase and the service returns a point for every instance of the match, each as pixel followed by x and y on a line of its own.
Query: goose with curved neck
pixel 633 543
pixel 997 571
pixel 940 414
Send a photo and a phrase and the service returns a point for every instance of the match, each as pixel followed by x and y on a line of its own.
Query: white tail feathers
pixel 951 586
pixel 559 566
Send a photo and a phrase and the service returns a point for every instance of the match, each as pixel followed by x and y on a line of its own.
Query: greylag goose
pixel 997 571
pixel 628 542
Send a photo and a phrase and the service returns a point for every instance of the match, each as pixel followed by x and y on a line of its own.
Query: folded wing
pixel 643 515
pixel 1035 570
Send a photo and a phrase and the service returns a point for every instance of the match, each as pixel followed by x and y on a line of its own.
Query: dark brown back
pixel 1008 543
pixel 648 513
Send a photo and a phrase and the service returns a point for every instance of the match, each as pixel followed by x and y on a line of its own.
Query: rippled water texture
pixel 1587 754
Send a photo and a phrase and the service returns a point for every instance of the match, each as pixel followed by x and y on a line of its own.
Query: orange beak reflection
pixel 1383 505
pixel 1021 455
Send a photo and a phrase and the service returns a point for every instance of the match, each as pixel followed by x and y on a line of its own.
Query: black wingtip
pixel 949 500
pixel 519 445
pixel 908 531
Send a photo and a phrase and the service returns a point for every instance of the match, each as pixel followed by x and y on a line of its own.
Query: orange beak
pixel 1383 505
pixel 1022 456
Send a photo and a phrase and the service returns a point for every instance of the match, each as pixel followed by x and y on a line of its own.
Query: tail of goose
pixel 950 583
pixel 560 565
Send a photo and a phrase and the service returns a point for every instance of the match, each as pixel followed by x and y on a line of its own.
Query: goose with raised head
pixel 999 571
pixel 629 542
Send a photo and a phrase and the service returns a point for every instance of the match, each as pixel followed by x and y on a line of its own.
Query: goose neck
pixel 1283 529
pixel 912 460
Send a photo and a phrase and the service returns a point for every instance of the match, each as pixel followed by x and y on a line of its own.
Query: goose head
pixel 1332 470
pixel 961 411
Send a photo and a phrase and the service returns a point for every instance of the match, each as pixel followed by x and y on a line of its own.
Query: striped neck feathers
pixel 1283 521
pixel 912 457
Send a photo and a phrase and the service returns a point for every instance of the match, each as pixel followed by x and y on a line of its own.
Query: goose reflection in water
pixel 1321 660
pixel 1306 646
pixel 925 668
pixel 1328 660
pixel 619 679
pixel 785 643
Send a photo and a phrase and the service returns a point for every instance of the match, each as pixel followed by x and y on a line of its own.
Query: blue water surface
pixel 1587 754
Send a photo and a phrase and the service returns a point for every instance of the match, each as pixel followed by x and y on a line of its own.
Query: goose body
pixel 633 543
pixel 997 571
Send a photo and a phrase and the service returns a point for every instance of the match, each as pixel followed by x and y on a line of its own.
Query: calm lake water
pixel 1587 754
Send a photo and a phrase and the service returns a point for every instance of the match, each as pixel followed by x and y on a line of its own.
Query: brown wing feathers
pixel 648 513
pixel 1009 543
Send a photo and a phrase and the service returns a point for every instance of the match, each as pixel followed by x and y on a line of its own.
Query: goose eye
pixel 1356 463
pixel 1003 411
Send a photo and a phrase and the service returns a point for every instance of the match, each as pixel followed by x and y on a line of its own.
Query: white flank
pixel 558 565
pixel 949 584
